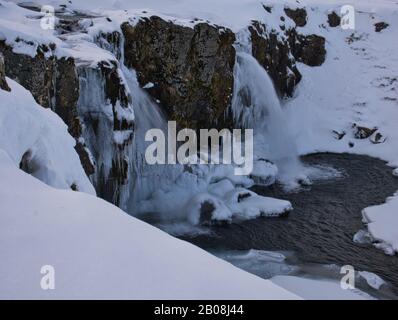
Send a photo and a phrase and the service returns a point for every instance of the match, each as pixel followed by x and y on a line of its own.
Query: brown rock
pixel 299 16
pixel 274 56
pixel 334 19
pixel 191 69
pixel 308 49
pixel 380 26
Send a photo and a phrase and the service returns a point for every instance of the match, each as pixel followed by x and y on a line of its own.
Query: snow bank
pixel 382 222
pixel 38 140
pixel 248 205
pixel 100 252
pixel 312 289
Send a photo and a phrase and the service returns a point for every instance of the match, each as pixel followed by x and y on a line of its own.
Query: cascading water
pixel 256 106
pixel 147 178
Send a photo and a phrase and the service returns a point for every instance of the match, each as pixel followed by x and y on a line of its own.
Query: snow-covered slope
pixel 37 139
pixel 98 251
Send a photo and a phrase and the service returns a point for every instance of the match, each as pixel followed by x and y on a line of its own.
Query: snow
pixel 382 223
pixel 372 279
pixel 312 289
pixel 100 252
pixel 219 212
pixel 363 237
pixel 264 172
pixel 248 205
pixel 27 128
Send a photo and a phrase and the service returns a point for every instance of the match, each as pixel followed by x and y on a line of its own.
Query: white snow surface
pixel 27 127
pixel 312 289
pixel 99 251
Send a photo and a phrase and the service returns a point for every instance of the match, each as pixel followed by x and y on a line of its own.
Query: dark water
pixel 325 218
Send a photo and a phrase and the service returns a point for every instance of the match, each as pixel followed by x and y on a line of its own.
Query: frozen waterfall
pixel 256 106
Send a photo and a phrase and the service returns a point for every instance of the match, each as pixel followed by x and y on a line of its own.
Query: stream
pixel 317 236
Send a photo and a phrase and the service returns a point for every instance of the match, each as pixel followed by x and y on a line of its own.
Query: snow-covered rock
pixel 246 204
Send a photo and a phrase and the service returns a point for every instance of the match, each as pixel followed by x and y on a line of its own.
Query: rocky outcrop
pixel 299 16
pixel 334 19
pixel 274 55
pixel 3 81
pixel 308 49
pixel 379 26
pixel 190 69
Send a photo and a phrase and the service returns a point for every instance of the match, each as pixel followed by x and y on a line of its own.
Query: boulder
pixel 334 19
pixel 380 26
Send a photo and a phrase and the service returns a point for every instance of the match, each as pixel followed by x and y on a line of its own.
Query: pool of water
pixel 325 218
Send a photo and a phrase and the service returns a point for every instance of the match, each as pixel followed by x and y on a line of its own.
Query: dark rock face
pixel 35 74
pixel 3 82
pixel 274 56
pixel 380 26
pixel 85 160
pixel 307 49
pixel 191 69
pixel 206 213
pixel 299 16
pixel 52 82
pixel 66 94
pixel 334 19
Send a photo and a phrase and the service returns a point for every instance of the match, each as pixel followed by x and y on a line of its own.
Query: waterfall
pixel 256 106
pixel 146 178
